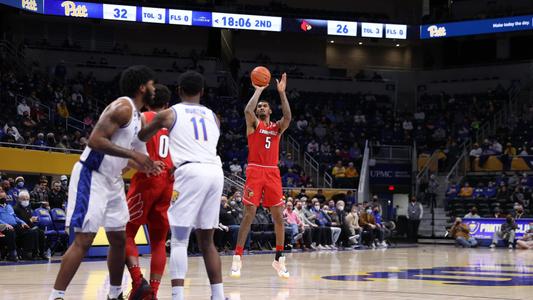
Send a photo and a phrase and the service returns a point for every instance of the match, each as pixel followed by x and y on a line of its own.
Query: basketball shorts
pixel 263 185
pixel 95 200
pixel 196 196
pixel 148 201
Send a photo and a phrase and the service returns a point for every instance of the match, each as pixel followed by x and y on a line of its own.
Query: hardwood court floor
pixel 425 272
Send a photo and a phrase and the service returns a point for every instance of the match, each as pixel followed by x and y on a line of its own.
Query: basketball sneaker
pixel 140 290
pixel 236 266
pixel 279 266
pixel 120 297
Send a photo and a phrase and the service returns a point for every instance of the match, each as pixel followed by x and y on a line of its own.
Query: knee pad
pixel 179 236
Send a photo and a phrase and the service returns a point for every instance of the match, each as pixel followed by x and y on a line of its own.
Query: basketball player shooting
pixel 148 202
pixel 96 196
pixel 263 180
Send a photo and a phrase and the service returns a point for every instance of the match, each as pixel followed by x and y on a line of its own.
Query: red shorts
pixel 263 183
pixel 148 201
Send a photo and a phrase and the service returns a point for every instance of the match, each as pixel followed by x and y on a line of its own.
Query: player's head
pixel 138 81
pixel 191 85
pixel 263 110
pixel 161 99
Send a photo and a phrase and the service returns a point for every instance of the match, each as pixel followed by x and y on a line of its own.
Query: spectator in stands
pixel 338 171
pixel 311 230
pixel 323 221
pixel 27 122
pixel 62 109
pixel 14 191
pixel 294 223
pixel 490 191
pixel 518 212
pixel 64 183
pixel 415 211
pixel 290 179
pixel 39 143
pixel 39 195
pixel 461 233
pixel 518 195
pixel 479 191
pixel 23 108
pixel 379 223
pixel 57 197
pixel 24 212
pixel 235 168
pixel 302 123
pixel 498 213
pixel 320 196
pixel 352 224
pixel 371 233
pixel 513 181
pixel 312 147
pixel 432 189
pixel 526 242
pixel 351 171
pixel 350 198
pixel 475 153
pixel 507 232
pixel 472 214
pixel 228 218
pixel 466 191
pixel 508 154
pixel 452 191
pixel 17 231
pixel 503 192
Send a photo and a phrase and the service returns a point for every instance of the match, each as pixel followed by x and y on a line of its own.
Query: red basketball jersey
pixel 263 145
pixel 158 146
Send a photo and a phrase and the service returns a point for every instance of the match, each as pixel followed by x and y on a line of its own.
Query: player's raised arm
pixel 249 110
pixel 285 121
pixel 164 119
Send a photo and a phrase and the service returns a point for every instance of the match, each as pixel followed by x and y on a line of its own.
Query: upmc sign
pixel 485 228
pixel 390 174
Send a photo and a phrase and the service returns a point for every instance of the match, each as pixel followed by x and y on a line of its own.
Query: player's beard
pixel 262 117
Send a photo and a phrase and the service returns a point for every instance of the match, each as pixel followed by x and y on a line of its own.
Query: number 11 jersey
pixel 194 135
pixel 263 145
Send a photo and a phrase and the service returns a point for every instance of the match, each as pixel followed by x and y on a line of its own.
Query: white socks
pixel 114 291
pixel 217 291
pixel 56 294
pixel 177 293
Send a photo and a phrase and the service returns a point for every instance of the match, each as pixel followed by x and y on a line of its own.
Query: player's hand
pixel 9 227
pixel 282 83
pixel 259 88
pixel 34 219
pixel 145 163
pixel 159 168
pixel 25 226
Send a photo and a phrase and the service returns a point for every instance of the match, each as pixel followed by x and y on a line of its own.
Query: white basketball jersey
pixel 124 137
pixel 194 135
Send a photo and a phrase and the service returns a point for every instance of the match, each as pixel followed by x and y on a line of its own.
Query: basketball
pixel 260 76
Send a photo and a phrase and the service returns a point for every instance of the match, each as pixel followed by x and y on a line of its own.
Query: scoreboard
pixel 129 13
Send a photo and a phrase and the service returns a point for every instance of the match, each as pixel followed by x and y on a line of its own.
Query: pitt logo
pixel 29 5
pixel 73 10
pixel 175 196
pixel 435 31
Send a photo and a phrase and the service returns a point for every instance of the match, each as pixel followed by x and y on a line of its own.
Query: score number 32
pixel 120 13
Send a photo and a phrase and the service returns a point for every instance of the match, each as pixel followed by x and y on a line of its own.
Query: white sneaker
pixel 384 244
pixel 320 247
pixel 313 246
pixel 333 247
pixel 492 246
pixel 279 266
pixel 236 266
pixel 510 246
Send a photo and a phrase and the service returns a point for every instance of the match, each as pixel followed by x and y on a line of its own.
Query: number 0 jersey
pixel 263 145
pixel 194 135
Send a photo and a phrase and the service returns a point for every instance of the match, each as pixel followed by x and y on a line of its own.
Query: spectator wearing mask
pixel 379 223
pixel 14 191
pixel 526 242
pixel 64 183
pixel 518 211
pixel 39 195
pixel 466 191
pixel 331 223
pixel 57 198
pixel 461 233
pixel 294 223
pixel 322 221
pixel 479 191
pixel 312 147
pixel 17 231
pixel 24 212
pixel 498 213
pixel 235 202
pixel 507 232
pixel 352 224
pixel 307 225
pixel 472 214
pixel 371 233
pixel 414 215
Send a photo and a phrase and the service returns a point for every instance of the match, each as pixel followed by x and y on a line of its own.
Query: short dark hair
pixel 162 96
pixel 191 83
pixel 133 77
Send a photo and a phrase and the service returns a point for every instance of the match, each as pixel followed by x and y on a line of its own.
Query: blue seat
pixel 59 218
pixel 44 221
